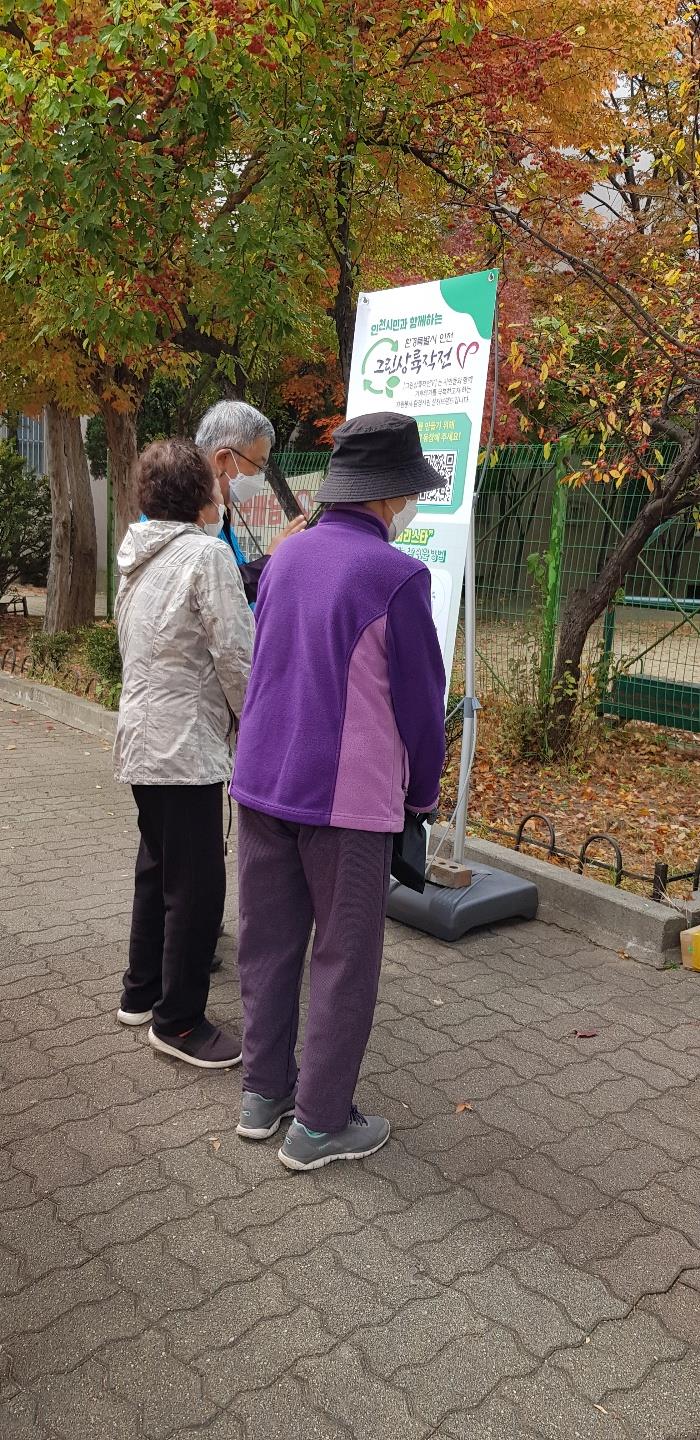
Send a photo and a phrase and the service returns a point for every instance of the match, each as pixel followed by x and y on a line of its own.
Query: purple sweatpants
pixel 289 877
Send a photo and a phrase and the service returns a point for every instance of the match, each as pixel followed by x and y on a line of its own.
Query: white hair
pixel 230 424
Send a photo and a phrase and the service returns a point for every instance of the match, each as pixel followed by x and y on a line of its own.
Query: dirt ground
pixel 641 786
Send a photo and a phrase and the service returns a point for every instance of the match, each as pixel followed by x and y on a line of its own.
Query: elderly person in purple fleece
pixel 342 728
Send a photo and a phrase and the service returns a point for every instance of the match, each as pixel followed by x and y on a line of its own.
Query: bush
pixel 25 521
pixel 48 652
pixel 108 695
pixel 527 710
pixel 102 652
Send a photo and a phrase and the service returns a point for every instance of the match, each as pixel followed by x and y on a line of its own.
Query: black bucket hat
pixel 377 457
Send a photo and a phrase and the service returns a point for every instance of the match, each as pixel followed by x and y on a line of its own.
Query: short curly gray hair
pixel 230 424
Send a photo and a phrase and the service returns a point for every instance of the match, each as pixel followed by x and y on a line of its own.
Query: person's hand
pixel 293 528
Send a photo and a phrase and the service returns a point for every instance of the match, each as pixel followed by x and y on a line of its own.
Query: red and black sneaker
pixel 207 1046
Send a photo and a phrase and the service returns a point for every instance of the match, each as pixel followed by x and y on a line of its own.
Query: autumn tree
pixel 40 375
pixel 127 162
pixel 613 256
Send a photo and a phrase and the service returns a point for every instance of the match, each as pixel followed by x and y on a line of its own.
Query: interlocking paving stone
pixel 226 1426
pixel 54 1295
pixel 159 1280
pixel 379 1260
pixel 339 1385
pixel 220 1320
pixel 494 1420
pixel 619 1355
pixel 574 1194
pixel 602 1233
pixel 665 1404
pixel 81 1403
pixel 320 1280
pixel 174 1397
pixel 584 1299
pixel 469 1249
pixel 69 1339
pixel 650 1263
pixel 493 1274
pixel 283 1411
pixel 631 1170
pixel 663 1205
pixel 432 1219
pixel 19 1419
pixel 545 1400
pixel 418 1332
pixel 463 1372
pixel 535 1213
pixel 540 1324
pixel 262 1354
pixel 678 1311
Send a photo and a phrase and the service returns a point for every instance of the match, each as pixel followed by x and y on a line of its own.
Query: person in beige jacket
pixel 186 638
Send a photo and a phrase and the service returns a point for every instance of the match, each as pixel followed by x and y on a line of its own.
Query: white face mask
pixel 404 517
pixel 214 527
pixel 245 487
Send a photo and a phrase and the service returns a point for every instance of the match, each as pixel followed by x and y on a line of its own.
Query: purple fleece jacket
pixel 343 722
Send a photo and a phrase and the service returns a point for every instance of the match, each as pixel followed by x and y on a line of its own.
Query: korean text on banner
pixel 424 350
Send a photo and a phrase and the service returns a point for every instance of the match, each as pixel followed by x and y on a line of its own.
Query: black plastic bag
pixel 408 857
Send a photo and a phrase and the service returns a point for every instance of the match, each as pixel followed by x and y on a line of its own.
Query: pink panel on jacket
pixel 372 771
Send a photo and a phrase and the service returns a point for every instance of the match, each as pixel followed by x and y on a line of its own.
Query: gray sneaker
pixel 261 1118
pixel 362 1136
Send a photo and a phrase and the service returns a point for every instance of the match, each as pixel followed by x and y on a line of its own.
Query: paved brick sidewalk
pixel 529 1267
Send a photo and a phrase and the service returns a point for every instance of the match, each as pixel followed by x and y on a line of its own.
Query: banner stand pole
pixel 471 704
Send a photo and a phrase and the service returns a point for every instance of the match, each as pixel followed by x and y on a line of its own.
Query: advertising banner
pixel 424 350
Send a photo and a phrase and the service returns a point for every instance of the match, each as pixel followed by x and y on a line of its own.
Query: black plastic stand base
pixel 448 914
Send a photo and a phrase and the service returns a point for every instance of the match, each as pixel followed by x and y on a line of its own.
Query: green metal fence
pixel 536 542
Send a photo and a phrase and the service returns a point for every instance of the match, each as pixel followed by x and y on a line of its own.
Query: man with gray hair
pixel 237 440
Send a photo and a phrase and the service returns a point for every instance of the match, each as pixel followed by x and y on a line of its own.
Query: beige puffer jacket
pixel 186 637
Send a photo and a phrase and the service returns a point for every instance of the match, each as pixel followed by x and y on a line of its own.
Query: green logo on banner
pixel 388 386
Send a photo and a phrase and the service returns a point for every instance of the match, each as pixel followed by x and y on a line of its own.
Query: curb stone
pixel 71 710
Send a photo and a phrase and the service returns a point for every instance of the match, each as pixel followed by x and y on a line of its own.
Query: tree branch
pixel 253 172
pixel 193 340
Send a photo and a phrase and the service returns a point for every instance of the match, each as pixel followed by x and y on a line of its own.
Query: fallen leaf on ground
pixel 12 747
pixel 602 1409
pixel 584 1034
pixel 463 1105
pixel 214 1142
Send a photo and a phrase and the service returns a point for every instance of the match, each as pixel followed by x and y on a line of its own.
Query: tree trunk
pixel 122 447
pixel 281 490
pixel 83 574
pixel 584 607
pixel 58 586
pixel 344 302
pixel 344 317
pixel 70 597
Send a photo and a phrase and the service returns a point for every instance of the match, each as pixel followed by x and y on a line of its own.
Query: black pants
pixel 180 887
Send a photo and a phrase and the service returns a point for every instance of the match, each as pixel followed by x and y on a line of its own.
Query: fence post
pixel 608 639
pixel 110 544
pixel 552 597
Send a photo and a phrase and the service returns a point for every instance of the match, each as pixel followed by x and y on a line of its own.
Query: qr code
pixel 444 461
